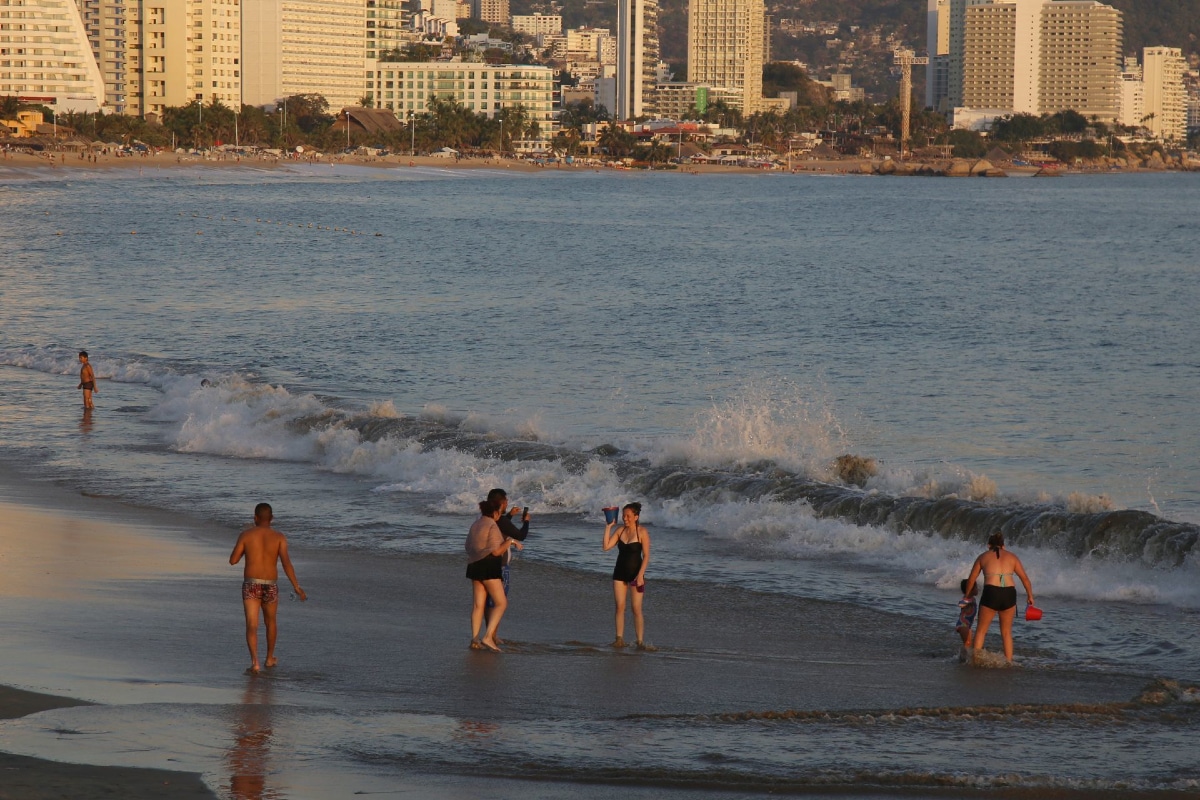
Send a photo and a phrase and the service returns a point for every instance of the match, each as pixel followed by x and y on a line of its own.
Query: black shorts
pixel 999 598
pixel 486 569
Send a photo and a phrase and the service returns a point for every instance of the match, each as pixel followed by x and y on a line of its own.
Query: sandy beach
pixel 135 611
pixel 69 162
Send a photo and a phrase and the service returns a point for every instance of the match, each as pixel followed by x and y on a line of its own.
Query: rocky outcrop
pixel 956 168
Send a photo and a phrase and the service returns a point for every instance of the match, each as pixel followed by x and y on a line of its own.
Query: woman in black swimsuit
pixel 633 556
pixel 1000 569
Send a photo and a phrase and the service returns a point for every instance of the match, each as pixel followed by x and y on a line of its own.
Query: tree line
pixel 297 120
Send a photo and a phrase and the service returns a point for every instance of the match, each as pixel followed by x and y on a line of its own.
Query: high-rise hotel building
pixel 160 53
pixel 725 47
pixel 1164 96
pixel 294 47
pixel 1081 44
pixel 45 56
pixel 637 58
pixel 1033 56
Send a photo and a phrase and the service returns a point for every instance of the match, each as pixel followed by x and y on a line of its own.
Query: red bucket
pixel 1032 613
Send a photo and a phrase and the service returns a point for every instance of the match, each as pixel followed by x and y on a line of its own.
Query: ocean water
pixel 373 350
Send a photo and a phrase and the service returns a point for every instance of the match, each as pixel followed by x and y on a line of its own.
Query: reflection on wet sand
pixel 85 424
pixel 249 757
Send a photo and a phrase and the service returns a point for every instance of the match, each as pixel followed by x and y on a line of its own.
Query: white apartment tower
pixel 1133 94
pixel 725 47
pixel 1080 59
pixel 295 47
pixel 1038 56
pixel 1002 55
pixel 1165 101
pixel 45 56
pixel 637 58
pixel 386 24
pixel 112 31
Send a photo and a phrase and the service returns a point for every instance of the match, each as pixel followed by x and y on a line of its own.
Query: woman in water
pixel 486 548
pixel 1000 570
pixel 633 556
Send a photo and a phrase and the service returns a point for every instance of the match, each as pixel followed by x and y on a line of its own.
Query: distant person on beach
pixel 967 609
pixel 486 549
pixel 87 380
pixel 632 541
pixel 263 547
pixel 1000 570
pixel 509 529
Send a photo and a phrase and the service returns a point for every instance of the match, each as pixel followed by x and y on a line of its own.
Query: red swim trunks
pixel 262 592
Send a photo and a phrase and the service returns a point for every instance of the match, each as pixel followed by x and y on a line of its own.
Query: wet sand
pixel 24 778
pixel 137 610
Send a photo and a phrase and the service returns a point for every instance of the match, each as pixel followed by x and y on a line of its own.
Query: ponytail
pixel 996 542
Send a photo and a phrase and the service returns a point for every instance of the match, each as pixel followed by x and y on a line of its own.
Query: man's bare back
pixel 264 548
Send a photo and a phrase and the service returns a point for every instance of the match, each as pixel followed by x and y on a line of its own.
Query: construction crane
pixel 905 59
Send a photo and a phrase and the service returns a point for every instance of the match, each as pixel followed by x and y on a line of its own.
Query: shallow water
pixel 1012 353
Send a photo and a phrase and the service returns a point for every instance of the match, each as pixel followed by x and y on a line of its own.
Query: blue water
pixel 1017 354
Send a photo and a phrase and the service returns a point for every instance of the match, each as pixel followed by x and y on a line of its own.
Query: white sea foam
pixel 233 416
pixel 777 422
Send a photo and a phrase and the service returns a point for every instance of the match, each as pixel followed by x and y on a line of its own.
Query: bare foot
pixel 475 645
pixel 490 645
pixel 272 661
pixel 499 641
pixel 649 648
pixel 254 669
pixel 618 643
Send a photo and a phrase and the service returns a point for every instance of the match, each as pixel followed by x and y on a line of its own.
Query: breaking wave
pixel 773 477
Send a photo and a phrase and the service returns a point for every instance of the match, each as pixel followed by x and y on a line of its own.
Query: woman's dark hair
pixel 487 508
pixel 996 541
pixel 636 508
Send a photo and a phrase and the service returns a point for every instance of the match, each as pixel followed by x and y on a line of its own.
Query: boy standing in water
pixel 87 379
pixel 967 609
pixel 263 547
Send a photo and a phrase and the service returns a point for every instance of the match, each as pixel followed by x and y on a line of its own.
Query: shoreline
pixel 68 163
pixel 395 624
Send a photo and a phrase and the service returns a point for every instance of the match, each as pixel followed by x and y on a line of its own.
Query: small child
pixel 967 609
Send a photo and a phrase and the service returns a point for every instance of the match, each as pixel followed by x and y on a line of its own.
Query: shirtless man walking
pixel 264 547
pixel 87 379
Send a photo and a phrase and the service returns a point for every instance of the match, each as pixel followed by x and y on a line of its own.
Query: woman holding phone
pixel 632 541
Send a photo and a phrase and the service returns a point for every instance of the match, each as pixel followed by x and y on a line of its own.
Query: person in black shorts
pixel 1000 570
pixel 486 548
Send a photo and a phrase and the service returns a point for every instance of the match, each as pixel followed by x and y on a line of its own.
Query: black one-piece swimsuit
pixel 629 561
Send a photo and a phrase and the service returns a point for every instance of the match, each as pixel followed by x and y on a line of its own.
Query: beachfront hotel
pixel 1081 42
pixel 292 47
pixel 1033 57
pixel 637 58
pixel 112 32
pixel 1164 98
pixel 725 47
pixel 46 58
pixel 407 86
pixel 164 53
